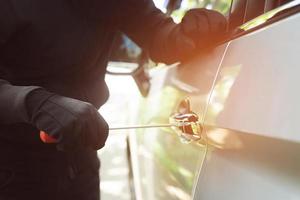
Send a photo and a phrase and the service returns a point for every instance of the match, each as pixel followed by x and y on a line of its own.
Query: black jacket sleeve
pixel 149 28
pixel 8 21
pixel 12 98
pixel 13 107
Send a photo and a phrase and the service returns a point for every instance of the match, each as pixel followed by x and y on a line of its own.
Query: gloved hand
pixel 74 123
pixel 200 28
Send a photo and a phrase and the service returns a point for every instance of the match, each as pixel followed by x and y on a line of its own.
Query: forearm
pixel 150 29
pixel 13 107
pixel 166 41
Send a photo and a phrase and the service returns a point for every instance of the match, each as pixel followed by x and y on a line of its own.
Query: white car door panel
pixel 167 168
pixel 252 120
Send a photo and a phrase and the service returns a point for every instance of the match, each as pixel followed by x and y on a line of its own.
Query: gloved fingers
pixel 82 131
pixel 89 131
pixel 204 26
pixel 184 46
pixel 54 120
pixel 101 131
pixel 204 21
pixel 74 117
pixel 46 122
pixel 195 23
pixel 94 130
pixel 217 22
pixel 77 124
pixel 71 140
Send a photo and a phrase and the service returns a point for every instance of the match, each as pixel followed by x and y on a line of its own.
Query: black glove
pixel 203 26
pixel 200 28
pixel 75 124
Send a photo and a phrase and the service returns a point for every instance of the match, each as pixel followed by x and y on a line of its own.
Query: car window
pixel 243 11
pixel 271 4
pixel 271 16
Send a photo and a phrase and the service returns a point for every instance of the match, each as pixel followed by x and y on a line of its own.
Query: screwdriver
pixel 182 121
pixel 145 126
pixel 176 120
pixel 48 139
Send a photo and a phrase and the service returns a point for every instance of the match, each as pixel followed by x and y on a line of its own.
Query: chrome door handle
pixel 191 129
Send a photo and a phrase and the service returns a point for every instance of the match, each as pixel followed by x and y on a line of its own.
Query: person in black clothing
pixel 53 57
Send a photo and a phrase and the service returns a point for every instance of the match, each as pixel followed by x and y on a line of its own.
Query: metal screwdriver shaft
pixel 178 124
pixel 142 126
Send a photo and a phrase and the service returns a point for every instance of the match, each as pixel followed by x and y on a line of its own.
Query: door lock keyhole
pixel 188 126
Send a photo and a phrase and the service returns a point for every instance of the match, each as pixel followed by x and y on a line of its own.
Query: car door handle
pixel 192 129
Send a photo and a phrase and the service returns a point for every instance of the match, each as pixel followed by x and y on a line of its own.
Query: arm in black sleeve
pixel 12 98
pixel 164 40
pixel 13 102
pixel 9 21
pixel 74 123
pixel 148 27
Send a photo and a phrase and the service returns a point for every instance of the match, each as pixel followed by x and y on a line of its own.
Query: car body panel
pixel 250 167
pixel 252 120
pixel 258 82
pixel 163 170
pixel 245 94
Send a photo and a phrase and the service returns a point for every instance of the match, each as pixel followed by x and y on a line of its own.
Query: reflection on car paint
pixel 222 139
pixel 253 119
pixel 173 177
pixel 216 137
pixel 226 79
pixel 168 168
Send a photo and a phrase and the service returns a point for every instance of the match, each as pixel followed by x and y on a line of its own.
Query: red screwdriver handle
pixel 46 138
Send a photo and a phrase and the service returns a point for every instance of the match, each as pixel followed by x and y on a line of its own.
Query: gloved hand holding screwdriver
pixel 72 123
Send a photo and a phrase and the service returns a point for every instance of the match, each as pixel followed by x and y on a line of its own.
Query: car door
pixel 164 165
pixel 251 123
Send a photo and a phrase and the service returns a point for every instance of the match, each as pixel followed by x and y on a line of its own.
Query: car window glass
pixel 269 15
pixel 125 50
pixel 243 11
pixel 271 4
